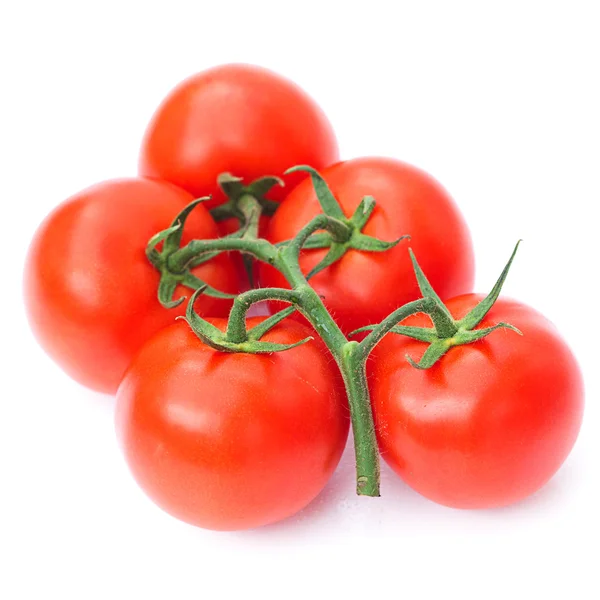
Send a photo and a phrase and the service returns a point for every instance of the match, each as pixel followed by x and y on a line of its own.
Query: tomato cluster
pixel 233 423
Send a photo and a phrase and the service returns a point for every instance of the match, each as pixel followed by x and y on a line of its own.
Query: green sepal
pixel 206 331
pixel 478 313
pixel 215 338
pixel 470 336
pixel 363 212
pixel 434 352
pixel 366 243
pixel 166 289
pixel 438 347
pixel 252 347
pixel 426 289
pixel 336 251
pixel 260 187
pixel 170 278
pixel 446 332
pixel 194 283
pixel 316 241
pixel 256 332
pixel 171 237
pixel 327 200
pixel 173 241
pixel 153 255
pixel 422 334
pixel 231 185
pixel 235 190
pixel 358 241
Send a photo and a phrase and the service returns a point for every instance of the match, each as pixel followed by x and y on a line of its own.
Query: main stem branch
pixel 361 415
pixel 350 356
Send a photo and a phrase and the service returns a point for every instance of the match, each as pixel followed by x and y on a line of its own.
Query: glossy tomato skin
pixel 230 441
pixel 240 119
pixel 364 287
pixel 491 422
pixel 90 292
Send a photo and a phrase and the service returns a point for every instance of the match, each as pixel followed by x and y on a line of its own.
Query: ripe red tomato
pixel 364 287
pixel 231 441
pixel 491 422
pixel 240 119
pixel 90 292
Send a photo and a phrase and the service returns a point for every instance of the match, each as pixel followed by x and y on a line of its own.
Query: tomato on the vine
pixel 231 440
pixel 240 119
pixel 363 287
pixel 90 291
pixel 490 422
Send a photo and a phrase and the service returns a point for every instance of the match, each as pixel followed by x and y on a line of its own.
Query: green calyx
pixel 235 191
pixel 351 237
pixel 172 275
pixel 446 331
pixel 237 338
pixel 246 203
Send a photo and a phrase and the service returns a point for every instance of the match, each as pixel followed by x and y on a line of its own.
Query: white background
pixel 499 101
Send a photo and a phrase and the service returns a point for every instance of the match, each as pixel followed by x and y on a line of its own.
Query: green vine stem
pixel 353 369
pixel 285 258
pixel 330 229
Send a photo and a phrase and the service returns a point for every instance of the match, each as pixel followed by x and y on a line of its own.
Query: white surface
pixel 499 101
